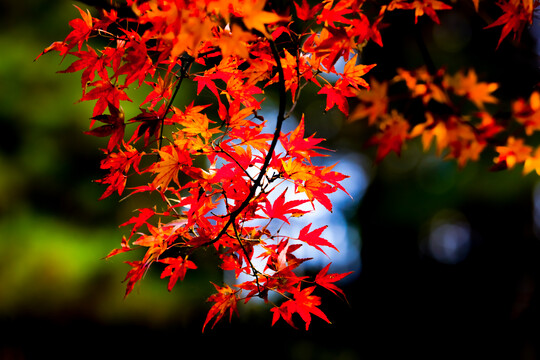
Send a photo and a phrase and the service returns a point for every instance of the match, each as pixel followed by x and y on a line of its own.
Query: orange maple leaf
pixel 373 102
pixel 430 130
pixel 352 73
pixel 528 113
pixel 532 163
pixel 468 85
pixel 515 151
pixel 173 159
pixel 255 17
pixel 422 84
pixel 420 7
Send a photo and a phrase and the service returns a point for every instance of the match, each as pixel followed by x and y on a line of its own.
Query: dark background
pixel 58 298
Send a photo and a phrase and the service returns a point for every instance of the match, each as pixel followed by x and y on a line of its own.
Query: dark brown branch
pixel 277 132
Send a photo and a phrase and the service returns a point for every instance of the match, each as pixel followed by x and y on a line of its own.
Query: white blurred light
pixel 449 240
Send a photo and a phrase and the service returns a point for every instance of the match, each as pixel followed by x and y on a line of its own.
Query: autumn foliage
pixel 214 163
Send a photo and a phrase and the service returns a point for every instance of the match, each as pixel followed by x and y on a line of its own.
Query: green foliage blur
pixel 54 231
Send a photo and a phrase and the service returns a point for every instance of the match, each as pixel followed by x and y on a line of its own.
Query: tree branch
pixel 277 132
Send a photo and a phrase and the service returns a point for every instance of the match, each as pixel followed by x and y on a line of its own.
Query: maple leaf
pixel 91 63
pixel 55 46
pixel 337 96
pixel 157 241
pixel 225 299
pixel 314 238
pixel 304 304
pixel 136 273
pixel 161 90
pixel 140 220
pixel 373 102
pixel 394 131
pixel 305 11
pixel 149 125
pixel 352 73
pixel 124 248
pixel 330 15
pixel 118 165
pixel 430 130
pixel 298 146
pixel 176 269
pixel 468 85
pixel 279 208
pixel 208 81
pixel 421 7
pixel 195 122
pixel 516 15
pixel 105 93
pixel 252 136
pixel 255 17
pixel 115 127
pixel 173 159
pixel 515 151
pixel 528 113
pixel 423 84
pixel 532 163
pixel 136 63
pixel 82 29
pixel 327 280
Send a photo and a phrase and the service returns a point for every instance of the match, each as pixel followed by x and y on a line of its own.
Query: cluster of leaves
pixel 218 175
pixel 459 114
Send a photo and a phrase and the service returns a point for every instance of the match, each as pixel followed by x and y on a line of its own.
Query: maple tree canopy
pixel 214 164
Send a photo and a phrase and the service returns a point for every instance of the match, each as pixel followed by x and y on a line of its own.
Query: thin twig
pixel 186 63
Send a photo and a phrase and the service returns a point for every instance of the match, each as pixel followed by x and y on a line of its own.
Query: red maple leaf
pixel 90 62
pixel 314 238
pixel 114 128
pixel 298 146
pixel 304 304
pixel 176 269
pixel 279 208
pixel 225 299
pixel 516 15
pixel 337 96
pixel 305 11
pixel 327 280
pixel 138 269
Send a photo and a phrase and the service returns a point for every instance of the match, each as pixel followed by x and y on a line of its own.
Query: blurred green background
pixel 59 298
